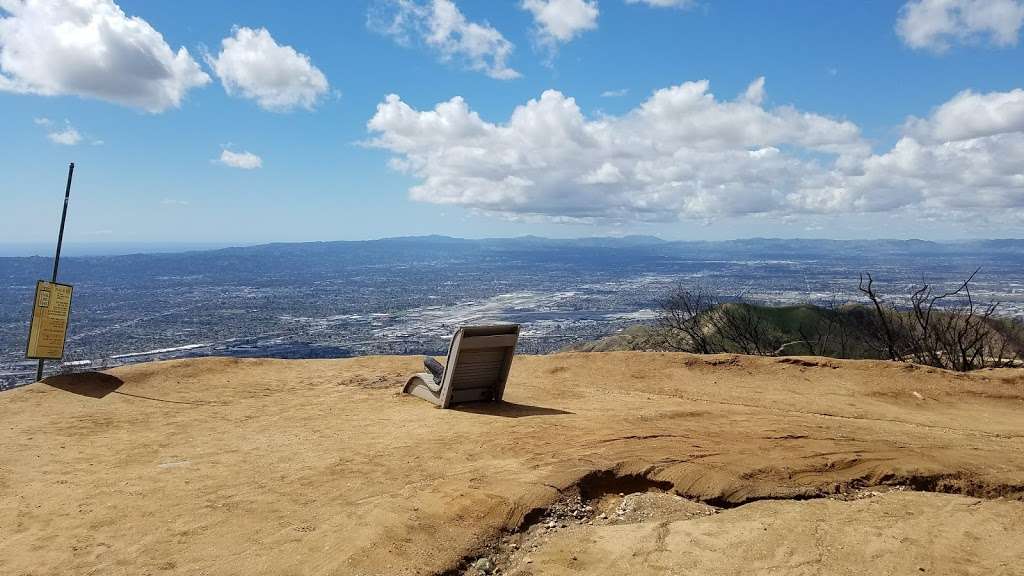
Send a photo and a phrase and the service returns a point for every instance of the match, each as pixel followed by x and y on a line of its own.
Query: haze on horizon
pixel 100 248
pixel 197 122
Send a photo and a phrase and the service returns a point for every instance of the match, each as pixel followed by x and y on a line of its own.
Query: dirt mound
pixel 227 466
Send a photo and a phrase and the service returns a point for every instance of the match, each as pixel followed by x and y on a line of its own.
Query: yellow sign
pixel 50 312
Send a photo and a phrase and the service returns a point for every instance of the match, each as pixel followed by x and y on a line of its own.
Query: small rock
pixel 603 516
pixel 528 560
pixel 484 565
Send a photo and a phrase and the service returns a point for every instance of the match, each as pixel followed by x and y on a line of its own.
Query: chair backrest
pixel 479 359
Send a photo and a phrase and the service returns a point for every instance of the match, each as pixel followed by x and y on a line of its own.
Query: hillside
pixel 844 332
pixel 783 326
pixel 626 463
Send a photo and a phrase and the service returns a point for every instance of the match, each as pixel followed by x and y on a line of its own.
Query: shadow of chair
pixel 508 409
pixel 91 384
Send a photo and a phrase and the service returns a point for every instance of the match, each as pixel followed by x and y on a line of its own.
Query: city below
pixel 407 295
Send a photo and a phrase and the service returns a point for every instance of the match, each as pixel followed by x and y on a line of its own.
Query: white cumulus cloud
pixel 936 24
pixel 251 64
pixel 606 173
pixel 664 3
pixel 559 21
pixel 971 115
pixel 441 26
pixel 68 136
pixel 971 178
pixel 243 160
pixel 91 48
pixel 684 153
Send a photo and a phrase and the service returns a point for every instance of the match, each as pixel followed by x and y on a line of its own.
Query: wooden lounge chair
pixel 479 358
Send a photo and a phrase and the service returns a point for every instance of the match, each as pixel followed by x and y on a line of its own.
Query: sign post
pixel 52 305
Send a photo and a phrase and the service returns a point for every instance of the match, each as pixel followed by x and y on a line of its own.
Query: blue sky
pixel 873 119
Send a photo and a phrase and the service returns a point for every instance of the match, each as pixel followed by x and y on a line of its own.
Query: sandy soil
pixel 223 466
pixel 891 533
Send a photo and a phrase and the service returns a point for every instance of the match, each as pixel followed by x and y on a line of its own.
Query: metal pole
pixel 60 241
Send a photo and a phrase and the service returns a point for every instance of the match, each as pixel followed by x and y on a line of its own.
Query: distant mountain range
pixel 277 259
pixel 651 243
pixel 431 243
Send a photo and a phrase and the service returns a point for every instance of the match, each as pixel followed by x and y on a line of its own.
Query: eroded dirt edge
pixel 609 497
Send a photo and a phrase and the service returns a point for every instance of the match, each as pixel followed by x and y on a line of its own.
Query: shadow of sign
pixel 91 384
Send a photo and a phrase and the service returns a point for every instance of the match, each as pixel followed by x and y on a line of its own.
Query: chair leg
pixel 422 386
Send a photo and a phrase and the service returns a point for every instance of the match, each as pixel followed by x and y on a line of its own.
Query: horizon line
pixel 171 247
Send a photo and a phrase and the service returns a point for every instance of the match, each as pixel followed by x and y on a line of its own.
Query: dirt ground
pixel 603 463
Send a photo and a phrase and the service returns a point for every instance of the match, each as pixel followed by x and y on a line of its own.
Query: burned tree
pixel 950 330
pixel 886 327
pixel 831 332
pixel 682 321
pixel 695 319
pixel 743 329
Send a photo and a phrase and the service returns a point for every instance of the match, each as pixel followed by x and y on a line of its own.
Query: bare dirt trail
pixel 224 466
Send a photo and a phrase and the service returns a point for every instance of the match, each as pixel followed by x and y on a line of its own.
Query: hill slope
pixel 848 331
pixel 222 466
